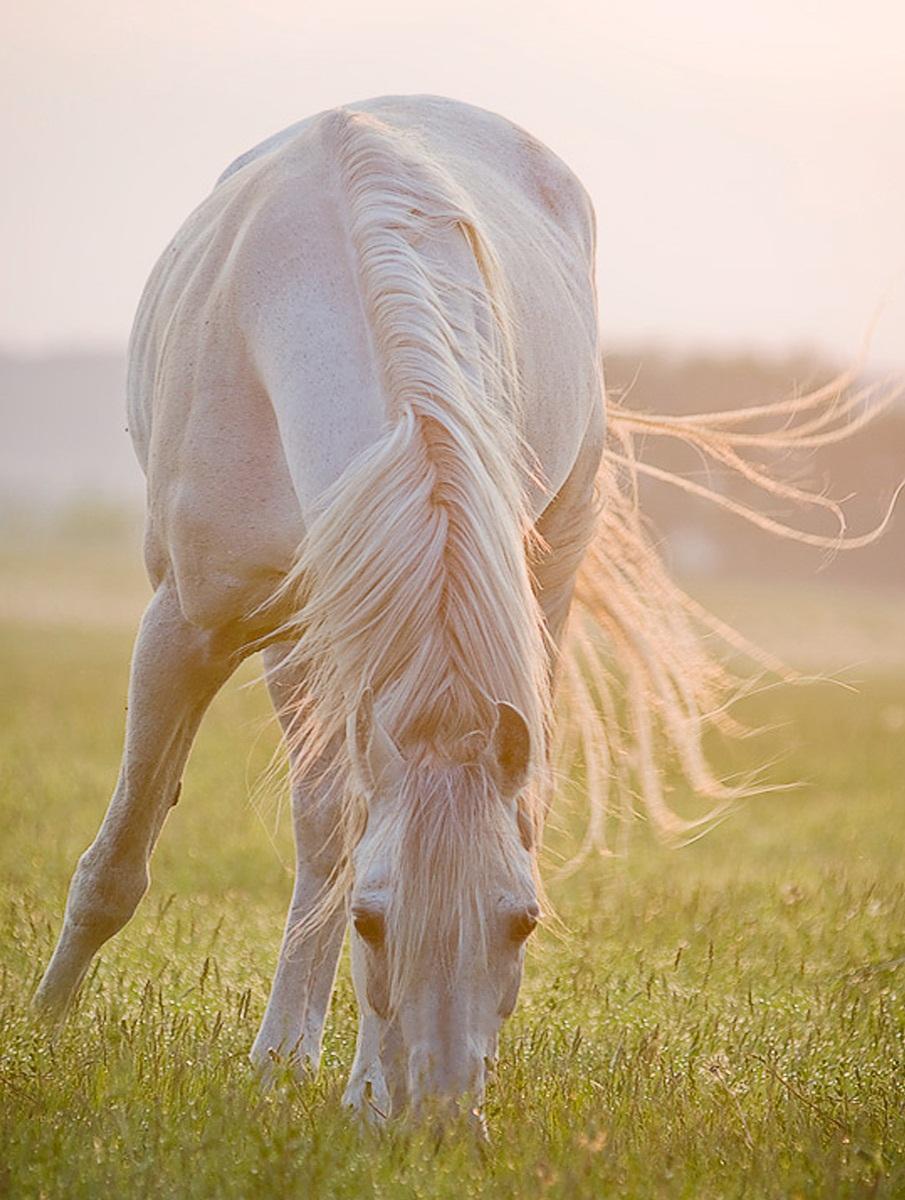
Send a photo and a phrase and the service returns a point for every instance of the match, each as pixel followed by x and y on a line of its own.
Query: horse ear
pixel 511 748
pixel 375 754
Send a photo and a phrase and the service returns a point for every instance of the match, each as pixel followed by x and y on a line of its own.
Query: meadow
pixel 723 1020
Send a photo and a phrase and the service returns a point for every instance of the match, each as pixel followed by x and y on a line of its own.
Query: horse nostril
pixel 447 1081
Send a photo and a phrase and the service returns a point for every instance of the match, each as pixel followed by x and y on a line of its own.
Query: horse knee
pixel 104 893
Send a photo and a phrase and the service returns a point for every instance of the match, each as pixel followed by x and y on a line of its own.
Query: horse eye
pixel 524 922
pixel 368 925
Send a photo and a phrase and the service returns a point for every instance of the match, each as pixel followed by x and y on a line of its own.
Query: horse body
pixel 377 341
pixel 253 379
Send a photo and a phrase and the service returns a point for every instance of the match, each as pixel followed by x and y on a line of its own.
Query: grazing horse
pixel 365 387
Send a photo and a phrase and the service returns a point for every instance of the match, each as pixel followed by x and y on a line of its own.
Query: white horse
pixel 365 387
pixel 377 341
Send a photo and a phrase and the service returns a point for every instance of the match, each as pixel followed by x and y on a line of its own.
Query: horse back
pixel 253 380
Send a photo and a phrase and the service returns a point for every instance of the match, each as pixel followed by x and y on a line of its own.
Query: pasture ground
pixel 725 1020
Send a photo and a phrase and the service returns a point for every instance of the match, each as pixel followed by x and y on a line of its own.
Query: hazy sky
pixel 747 160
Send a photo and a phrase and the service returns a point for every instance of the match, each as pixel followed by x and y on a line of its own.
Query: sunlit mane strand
pixel 647 670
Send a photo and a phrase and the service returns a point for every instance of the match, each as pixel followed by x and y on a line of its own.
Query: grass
pixel 724 1020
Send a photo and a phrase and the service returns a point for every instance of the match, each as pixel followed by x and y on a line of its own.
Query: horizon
pixel 747 167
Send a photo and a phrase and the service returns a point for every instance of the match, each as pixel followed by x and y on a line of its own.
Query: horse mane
pixel 648 670
pixel 413 581
pixel 414 577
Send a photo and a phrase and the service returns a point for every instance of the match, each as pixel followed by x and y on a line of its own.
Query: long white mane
pixel 414 579
pixel 647 667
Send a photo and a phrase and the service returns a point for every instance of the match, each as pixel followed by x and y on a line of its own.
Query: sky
pixel 747 161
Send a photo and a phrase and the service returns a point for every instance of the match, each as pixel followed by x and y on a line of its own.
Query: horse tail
pixel 647 669
pixel 412 581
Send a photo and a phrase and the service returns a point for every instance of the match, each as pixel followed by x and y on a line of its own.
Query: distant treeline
pixel 702 539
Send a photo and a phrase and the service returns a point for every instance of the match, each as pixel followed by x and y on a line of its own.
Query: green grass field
pixel 723 1020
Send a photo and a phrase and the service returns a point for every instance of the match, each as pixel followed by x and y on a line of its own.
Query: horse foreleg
pixel 293 1023
pixel 176 670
